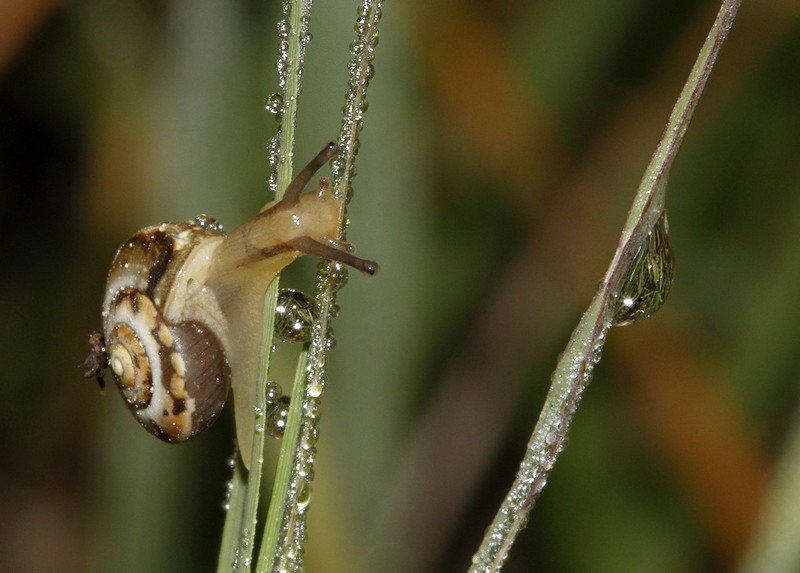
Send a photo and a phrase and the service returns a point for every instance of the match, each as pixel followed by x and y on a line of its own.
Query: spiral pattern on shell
pixel 173 374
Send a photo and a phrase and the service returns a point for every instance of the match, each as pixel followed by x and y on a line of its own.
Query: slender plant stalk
pixel 776 545
pixel 240 525
pixel 285 534
pixel 277 538
pixel 238 535
pixel 574 369
pixel 234 516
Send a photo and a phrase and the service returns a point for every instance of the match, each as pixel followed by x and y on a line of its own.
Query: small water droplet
pixel 337 276
pixel 226 501
pixel 208 222
pixel 277 414
pixel 315 388
pixel 245 542
pixel 274 103
pixel 294 316
pixel 303 495
pixel 649 278
pixel 552 436
pixel 312 409
pixel 283 27
pixel 307 471
pixel 273 392
pixel 309 439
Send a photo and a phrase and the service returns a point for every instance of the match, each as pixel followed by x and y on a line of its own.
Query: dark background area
pixel 502 147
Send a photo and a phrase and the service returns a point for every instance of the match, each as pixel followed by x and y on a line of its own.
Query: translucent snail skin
pixel 184 308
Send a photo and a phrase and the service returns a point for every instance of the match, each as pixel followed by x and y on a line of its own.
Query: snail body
pixel 184 306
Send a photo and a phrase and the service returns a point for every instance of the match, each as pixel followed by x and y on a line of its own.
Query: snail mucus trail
pixel 183 308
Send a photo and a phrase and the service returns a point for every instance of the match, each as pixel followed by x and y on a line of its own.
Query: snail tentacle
pixel 294 190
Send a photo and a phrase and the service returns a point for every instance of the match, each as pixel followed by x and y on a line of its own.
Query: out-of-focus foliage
pixel 503 143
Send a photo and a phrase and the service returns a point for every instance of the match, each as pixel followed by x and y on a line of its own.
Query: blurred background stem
pixel 502 145
pixel 577 361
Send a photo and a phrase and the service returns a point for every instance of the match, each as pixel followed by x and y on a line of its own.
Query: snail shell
pixel 184 307
pixel 159 331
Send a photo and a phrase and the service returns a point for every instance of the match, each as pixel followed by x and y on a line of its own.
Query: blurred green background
pixel 502 147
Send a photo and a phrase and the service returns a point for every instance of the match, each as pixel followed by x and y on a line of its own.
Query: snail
pixel 184 302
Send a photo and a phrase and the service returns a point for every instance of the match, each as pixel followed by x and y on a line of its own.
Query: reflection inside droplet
pixel 294 316
pixel 649 278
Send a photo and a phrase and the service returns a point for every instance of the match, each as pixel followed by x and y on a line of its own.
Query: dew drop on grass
pixel 294 316
pixel 245 544
pixel 330 340
pixel 273 391
pixel 312 410
pixel 337 276
pixel 274 103
pixel 551 436
pixel 275 419
pixel 309 439
pixel 226 502
pixel 649 278
pixel 303 495
pixel 315 388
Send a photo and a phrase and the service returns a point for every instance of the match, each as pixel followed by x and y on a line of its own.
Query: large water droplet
pixel 294 316
pixel 649 278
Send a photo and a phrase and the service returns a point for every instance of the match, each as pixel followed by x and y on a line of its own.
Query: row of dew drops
pixel 643 290
pixel 642 293
pixel 295 316
pixel 294 319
